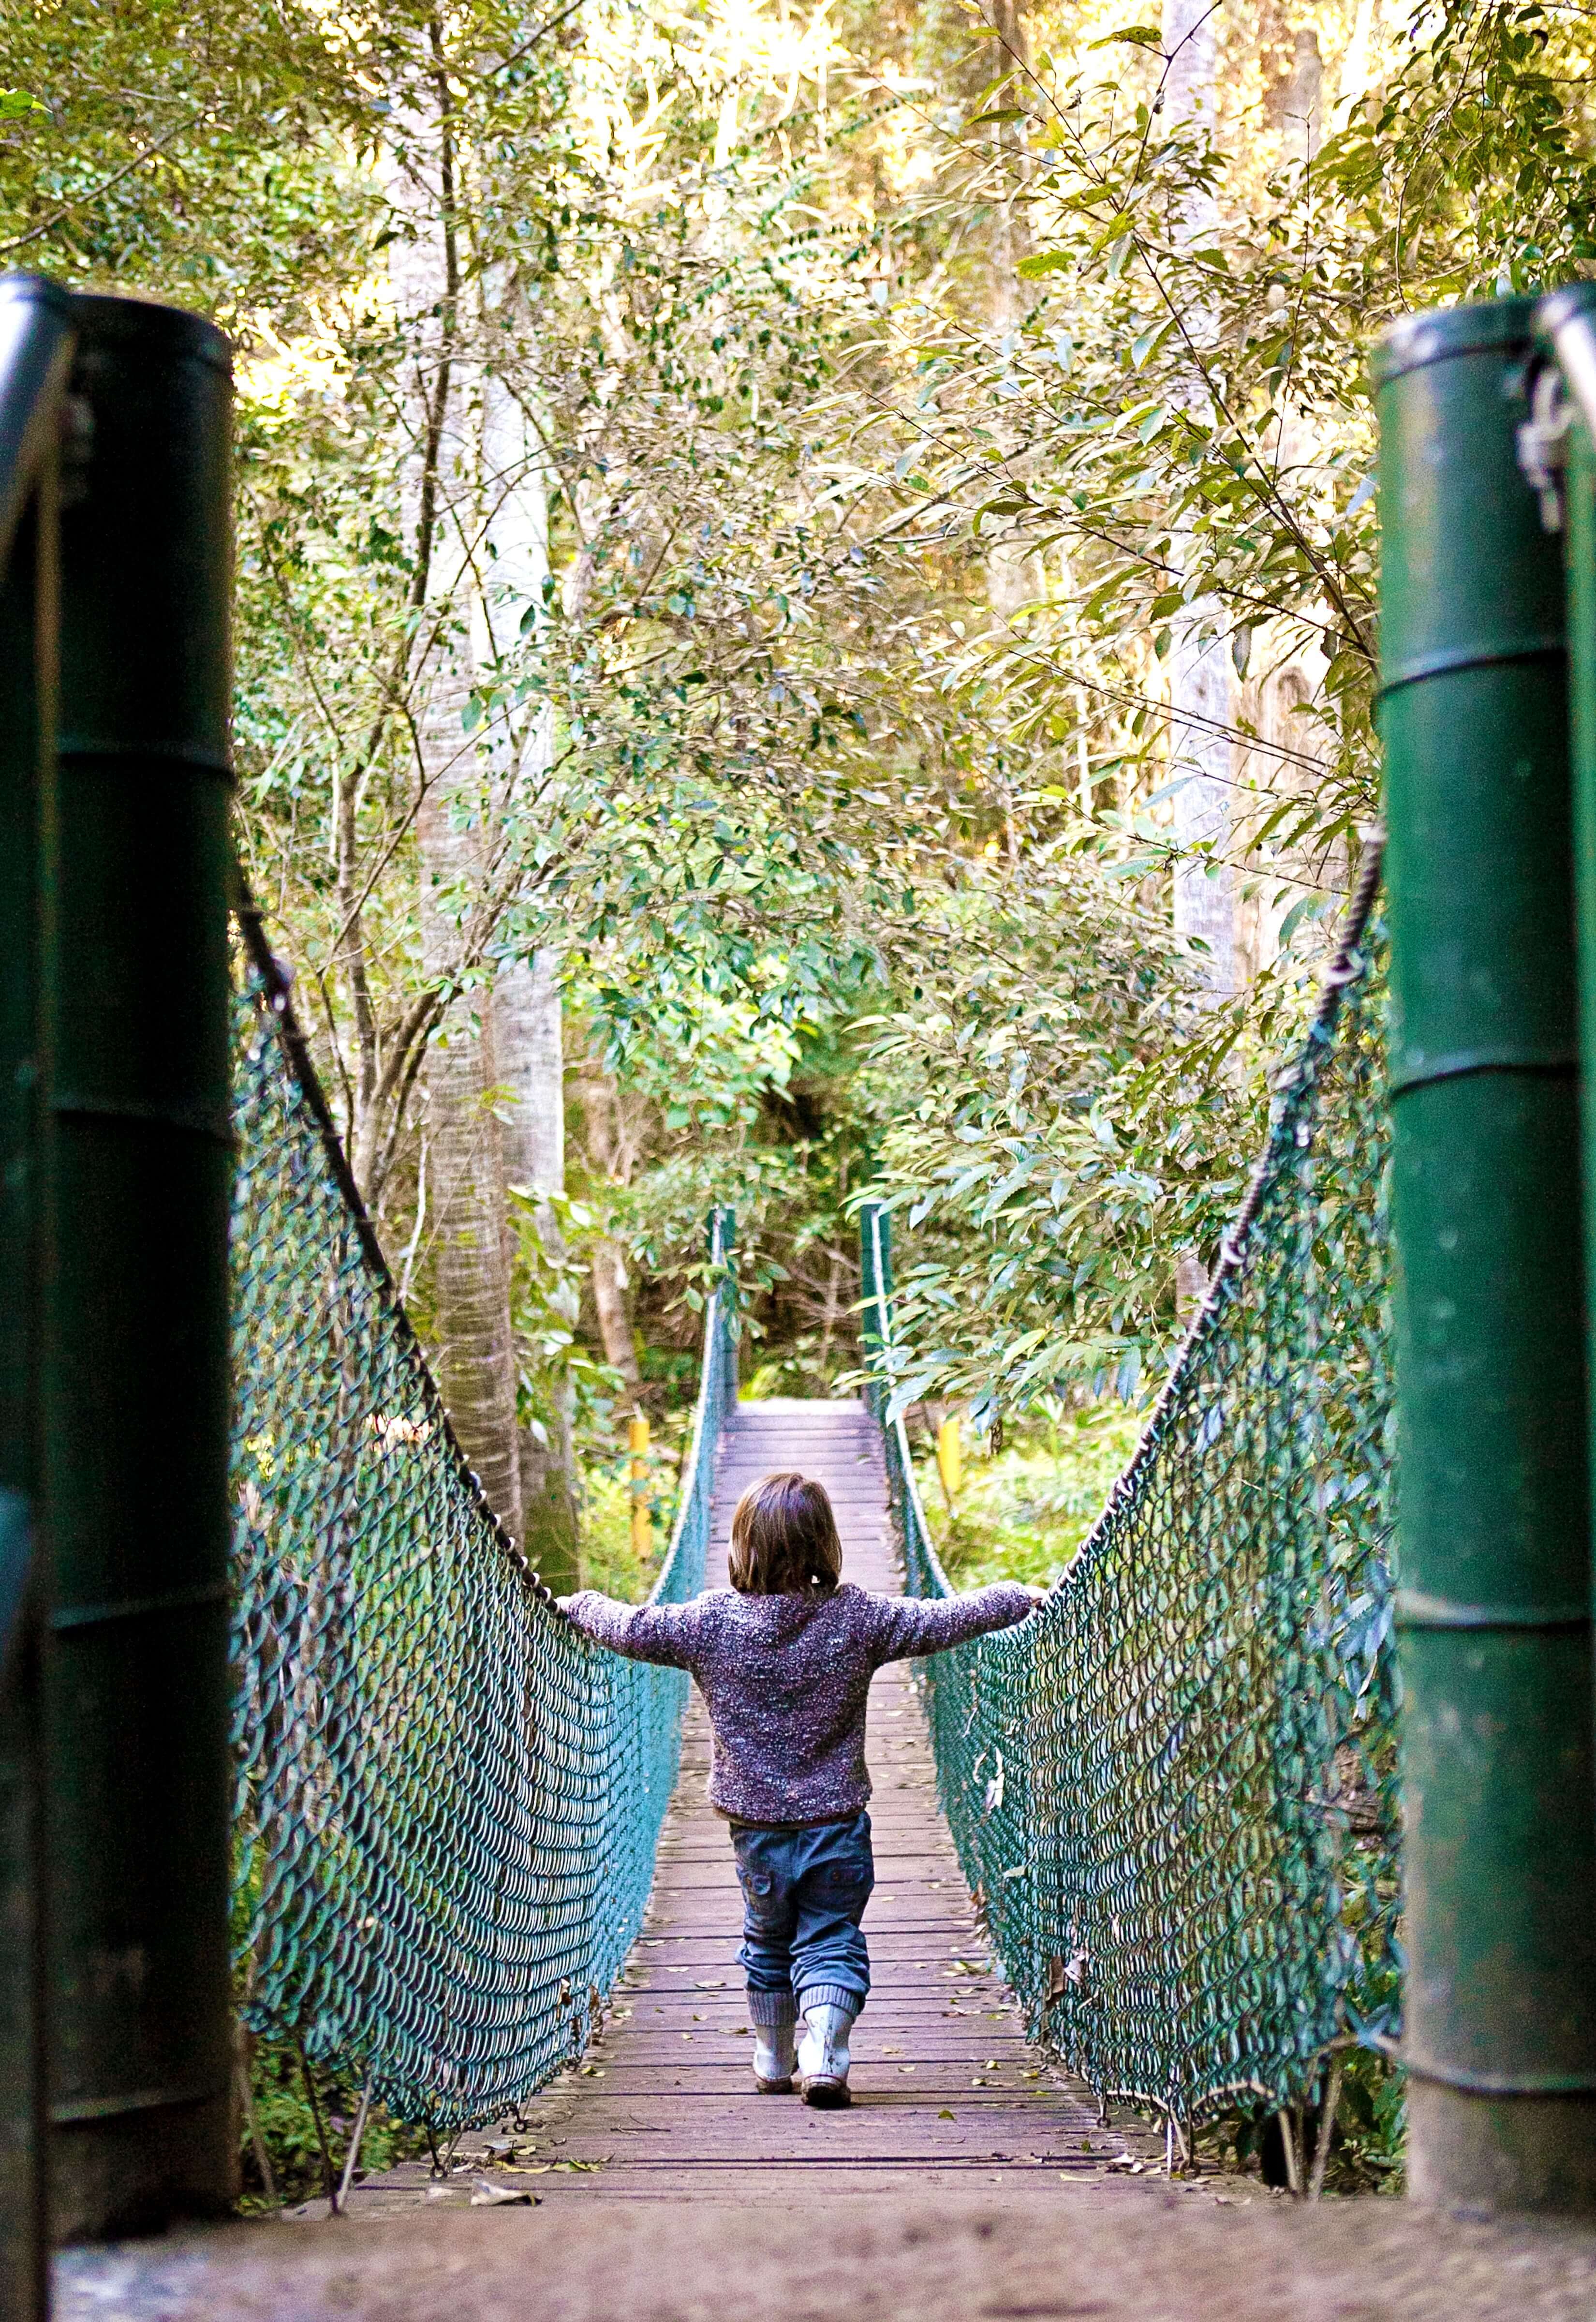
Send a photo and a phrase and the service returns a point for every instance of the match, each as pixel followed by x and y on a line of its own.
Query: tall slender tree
pixel 510 623
pixel 1199 665
pixel 471 1230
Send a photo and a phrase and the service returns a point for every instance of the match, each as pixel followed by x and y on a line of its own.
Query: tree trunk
pixel 615 1326
pixel 527 1019
pixel 526 999
pixel 470 1270
pixel 469 1235
pixel 1012 575
pixel 1199 667
pixel 1199 672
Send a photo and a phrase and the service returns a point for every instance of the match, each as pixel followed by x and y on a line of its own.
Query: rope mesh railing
pixel 448 1801
pixel 1174 1792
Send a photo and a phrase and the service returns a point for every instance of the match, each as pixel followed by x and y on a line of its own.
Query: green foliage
pixel 609 1560
pixel 1169 427
pixel 1058 1123
pixel 1367 2155
pixel 762 1103
pixel 1367 2133
pixel 286 2121
pixel 1023 1511
pixel 814 343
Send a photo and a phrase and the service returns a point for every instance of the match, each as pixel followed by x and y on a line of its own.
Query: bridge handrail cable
pixel 448 1800
pixel 1174 1789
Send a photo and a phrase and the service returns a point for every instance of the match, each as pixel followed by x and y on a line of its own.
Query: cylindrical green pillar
pixel 135 1375
pixel 722 1233
pixel 35 348
pixel 875 1271
pixel 1565 326
pixel 1493 1501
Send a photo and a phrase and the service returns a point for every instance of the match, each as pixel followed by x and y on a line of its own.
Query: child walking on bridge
pixel 783 1659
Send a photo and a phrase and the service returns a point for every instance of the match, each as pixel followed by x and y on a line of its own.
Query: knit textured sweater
pixel 786 1679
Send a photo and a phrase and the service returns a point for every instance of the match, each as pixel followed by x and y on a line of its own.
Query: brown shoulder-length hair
pixel 784 1539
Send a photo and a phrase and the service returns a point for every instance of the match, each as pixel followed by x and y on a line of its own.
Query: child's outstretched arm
pixel 910 1626
pixel 644 1633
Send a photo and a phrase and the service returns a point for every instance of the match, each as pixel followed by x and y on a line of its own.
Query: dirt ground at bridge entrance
pixel 1123 2253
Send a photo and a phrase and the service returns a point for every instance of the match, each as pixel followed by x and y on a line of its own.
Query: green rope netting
pixel 1174 1791
pixel 448 1801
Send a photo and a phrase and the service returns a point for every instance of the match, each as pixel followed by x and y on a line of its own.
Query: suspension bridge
pixel 448 1802
pixel 294 1739
pixel 946 2088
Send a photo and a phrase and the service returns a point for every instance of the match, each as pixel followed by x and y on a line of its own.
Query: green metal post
pixel 135 1378
pixel 27 734
pixel 1566 327
pixel 36 348
pixel 723 1232
pixel 1493 1610
pixel 875 1278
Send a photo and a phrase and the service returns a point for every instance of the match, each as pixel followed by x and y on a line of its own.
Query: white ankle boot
pixel 772 2058
pixel 823 2056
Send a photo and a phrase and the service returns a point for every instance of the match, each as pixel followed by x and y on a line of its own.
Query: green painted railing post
pixel 135 1311
pixel 1493 1611
pixel 875 1271
pixel 36 348
pixel 722 1238
pixel 1565 327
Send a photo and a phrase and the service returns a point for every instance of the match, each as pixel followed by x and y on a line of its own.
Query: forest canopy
pixel 806 587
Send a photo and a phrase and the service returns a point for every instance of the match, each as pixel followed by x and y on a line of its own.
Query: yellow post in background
pixel 642 1527
pixel 950 1460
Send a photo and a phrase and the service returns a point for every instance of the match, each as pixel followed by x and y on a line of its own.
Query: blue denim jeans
pixel 804 1892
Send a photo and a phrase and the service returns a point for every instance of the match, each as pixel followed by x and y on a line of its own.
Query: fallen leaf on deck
pixel 945 2113
pixel 485 2195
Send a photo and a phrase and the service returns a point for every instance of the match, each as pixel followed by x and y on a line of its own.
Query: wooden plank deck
pixel 946 2088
